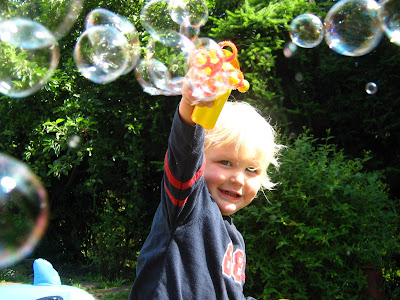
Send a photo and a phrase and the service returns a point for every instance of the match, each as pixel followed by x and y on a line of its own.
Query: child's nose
pixel 238 178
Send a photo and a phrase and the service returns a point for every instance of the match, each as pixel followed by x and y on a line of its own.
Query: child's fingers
pixel 187 96
pixel 204 103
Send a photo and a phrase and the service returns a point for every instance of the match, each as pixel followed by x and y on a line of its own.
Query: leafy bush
pixel 326 220
pixel 260 30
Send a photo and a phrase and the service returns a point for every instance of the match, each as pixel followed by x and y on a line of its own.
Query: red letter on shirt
pixel 238 263
pixel 227 262
pixel 234 264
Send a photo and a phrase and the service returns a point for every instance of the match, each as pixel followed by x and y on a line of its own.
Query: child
pixel 194 250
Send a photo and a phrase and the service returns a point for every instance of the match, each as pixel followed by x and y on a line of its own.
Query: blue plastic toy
pixel 46 286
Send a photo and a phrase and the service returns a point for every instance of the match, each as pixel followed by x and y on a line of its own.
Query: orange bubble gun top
pixel 215 74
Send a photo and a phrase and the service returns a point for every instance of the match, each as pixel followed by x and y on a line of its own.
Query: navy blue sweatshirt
pixel 192 251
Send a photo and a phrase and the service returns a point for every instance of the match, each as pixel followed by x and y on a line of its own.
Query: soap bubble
pixel 161 17
pixel 169 63
pixel 57 16
pixel 144 75
pixel 101 54
pixel 173 26
pixel 389 15
pixel 156 19
pixel 352 27
pixel 371 88
pixel 108 48
pixel 29 54
pixel 192 12
pixel 74 141
pixel 23 211
pixel 104 17
pixel 306 31
pixel 299 77
pixel 191 32
pixel 159 74
pixel 289 49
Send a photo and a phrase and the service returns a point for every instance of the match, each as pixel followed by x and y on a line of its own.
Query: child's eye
pixel 225 162
pixel 252 169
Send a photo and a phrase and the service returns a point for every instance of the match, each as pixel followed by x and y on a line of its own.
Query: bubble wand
pixel 220 75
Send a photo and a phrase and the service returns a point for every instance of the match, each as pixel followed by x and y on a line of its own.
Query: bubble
pixel 161 17
pixel 74 141
pixel 272 217
pixel 29 54
pixel 157 20
pixel 143 74
pixel 289 49
pixel 371 88
pixel 101 54
pixel 299 77
pixel 104 17
pixel 189 12
pixel 159 74
pixel 352 27
pixel 191 32
pixel 57 16
pixel 389 15
pixel 306 31
pixel 23 211
pixel 169 62
pixel 173 26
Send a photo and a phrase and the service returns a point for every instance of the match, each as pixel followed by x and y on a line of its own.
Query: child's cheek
pixel 214 175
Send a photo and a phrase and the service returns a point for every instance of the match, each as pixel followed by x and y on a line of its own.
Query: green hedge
pixel 325 221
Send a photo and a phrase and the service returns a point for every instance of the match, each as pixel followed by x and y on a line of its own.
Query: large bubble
pixel 29 54
pixel 23 211
pixel 389 15
pixel 167 64
pixel 352 27
pixel 161 17
pixel 57 16
pixel 145 75
pixel 306 31
pixel 191 12
pixel 157 20
pixel 101 54
pixel 29 31
pixel 104 17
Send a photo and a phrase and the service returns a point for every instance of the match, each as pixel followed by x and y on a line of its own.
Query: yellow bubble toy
pixel 223 75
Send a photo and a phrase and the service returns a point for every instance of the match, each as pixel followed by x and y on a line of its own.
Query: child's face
pixel 232 178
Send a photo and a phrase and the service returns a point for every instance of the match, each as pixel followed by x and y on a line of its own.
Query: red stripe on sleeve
pixel 179 184
pixel 175 201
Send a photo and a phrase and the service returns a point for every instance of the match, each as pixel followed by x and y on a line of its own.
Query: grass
pixel 117 296
pixel 17 273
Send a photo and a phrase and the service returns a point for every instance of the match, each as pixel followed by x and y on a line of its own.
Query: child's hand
pixel 187 95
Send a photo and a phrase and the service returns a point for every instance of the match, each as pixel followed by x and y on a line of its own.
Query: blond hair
pixel 241 124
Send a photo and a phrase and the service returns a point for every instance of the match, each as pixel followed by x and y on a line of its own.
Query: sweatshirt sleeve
pixel 183 171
